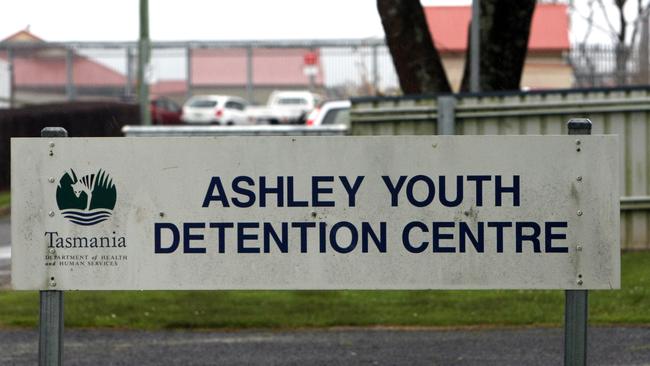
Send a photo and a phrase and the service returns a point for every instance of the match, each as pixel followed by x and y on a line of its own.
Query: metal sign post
pixel 50 337
pixel 475 46
pixel 576 301
pixel 446 115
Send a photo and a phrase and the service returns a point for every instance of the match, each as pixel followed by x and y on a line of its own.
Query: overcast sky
pixel 84 20
pixel 117 20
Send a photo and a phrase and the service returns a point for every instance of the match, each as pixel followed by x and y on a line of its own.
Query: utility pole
pixel 144 68
pixel 475 46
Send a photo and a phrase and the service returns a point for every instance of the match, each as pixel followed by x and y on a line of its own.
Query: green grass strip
pixel 5 198
pixel 293 309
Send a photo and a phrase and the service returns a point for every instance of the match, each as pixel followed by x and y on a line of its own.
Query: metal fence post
pixel 50 338
pixel 312 77
pixel 188 72
pixel 144 64
pixel 128 88
pixel 446 115
pixel 576 306
pixel 69 69
pixel 475 47
pixel 12 79
pixel 375 69
pixel 249 75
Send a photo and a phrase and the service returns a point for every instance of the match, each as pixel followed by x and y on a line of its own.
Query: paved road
pixel 5 251
pixel 607 346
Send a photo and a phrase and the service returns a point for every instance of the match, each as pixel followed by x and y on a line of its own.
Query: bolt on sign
pixel 395 212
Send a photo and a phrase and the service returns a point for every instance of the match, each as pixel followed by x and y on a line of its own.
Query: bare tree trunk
pixel 505 27
pixel 644 51
pixel 415 57
pixel 621 49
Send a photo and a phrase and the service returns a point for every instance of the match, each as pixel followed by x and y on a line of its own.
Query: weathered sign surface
pixel 416 212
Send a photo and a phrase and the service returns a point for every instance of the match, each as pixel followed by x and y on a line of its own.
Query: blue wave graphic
pixel 87 218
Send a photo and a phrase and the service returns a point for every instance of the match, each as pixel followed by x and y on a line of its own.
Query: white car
pixel 336 112
pixel 285 107
pixel 215 109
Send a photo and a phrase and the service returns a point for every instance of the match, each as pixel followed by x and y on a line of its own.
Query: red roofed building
pixel 271 67
pixel 546 66
pixel 40 74
pixel 224 71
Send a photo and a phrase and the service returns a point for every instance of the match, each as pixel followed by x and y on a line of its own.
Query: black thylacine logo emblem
pixel 86 200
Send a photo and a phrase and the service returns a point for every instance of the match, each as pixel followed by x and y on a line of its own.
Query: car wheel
pixel 230 123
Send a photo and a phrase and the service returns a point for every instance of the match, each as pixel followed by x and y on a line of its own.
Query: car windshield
pixel 339 116
pixel 292 101
pixel 203 103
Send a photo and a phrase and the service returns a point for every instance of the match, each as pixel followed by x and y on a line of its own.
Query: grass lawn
pixel 291 309
pixel 5 198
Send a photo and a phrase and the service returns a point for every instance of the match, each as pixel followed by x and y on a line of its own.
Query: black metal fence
pixel 608 66
pixel 72 71
pixel 46 72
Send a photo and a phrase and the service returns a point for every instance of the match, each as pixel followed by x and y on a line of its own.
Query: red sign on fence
pixel 310 58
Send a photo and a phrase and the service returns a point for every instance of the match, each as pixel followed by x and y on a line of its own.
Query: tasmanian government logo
pixel 86 200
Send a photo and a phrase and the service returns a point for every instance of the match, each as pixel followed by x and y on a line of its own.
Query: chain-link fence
pixel 49 72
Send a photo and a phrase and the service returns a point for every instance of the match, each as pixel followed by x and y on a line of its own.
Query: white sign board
pixel 398 212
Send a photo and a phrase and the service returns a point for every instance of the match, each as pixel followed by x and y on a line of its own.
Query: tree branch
pixel 589 18
pixel 612 30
